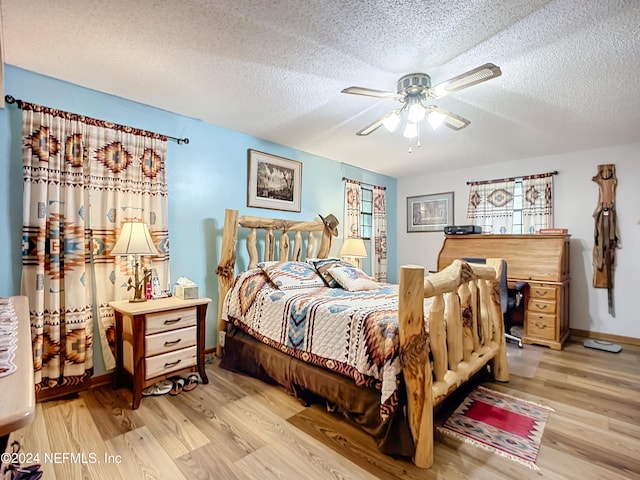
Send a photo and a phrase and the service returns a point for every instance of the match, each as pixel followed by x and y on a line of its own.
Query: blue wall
pixel 204 177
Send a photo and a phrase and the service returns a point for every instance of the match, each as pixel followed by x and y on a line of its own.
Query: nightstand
pixel 157 339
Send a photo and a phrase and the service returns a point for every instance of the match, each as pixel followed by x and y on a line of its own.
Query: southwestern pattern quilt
pixel 352 333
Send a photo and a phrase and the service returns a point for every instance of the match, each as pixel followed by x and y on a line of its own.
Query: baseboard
pixel 93 382
pixel 605 336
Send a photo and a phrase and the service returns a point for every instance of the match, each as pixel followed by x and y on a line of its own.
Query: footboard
pixel 466 332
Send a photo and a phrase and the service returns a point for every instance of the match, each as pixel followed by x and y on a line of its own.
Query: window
pixel 366 212
pixel 512 205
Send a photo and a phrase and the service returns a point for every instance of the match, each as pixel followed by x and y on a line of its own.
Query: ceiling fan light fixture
pixel 391 120
pixel 439 91
pixel 435 119
pixel 416 112
pixel 410 130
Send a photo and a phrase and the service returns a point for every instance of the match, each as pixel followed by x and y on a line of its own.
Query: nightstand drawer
pixel 169 341
pixel 541 306
pixel 170 320
pixel 170 362
pixel 541 326
pixel 542 293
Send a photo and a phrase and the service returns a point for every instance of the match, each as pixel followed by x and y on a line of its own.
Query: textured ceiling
pixel 274 69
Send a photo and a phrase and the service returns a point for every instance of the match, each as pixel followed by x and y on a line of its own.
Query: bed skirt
pixel 315 385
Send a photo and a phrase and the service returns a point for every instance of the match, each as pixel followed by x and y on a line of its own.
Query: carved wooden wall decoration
pixel 606 231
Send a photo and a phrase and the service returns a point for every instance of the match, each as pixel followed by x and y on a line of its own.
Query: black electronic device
pixel 462 229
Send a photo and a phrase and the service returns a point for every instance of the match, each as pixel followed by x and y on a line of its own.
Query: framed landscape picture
pixel 429 213
pixel 274 182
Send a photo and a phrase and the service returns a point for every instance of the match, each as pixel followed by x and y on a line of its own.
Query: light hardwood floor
pixel 237 427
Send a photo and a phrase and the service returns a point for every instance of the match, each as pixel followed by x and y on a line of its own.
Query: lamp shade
pixel 134 239
pixel 353 247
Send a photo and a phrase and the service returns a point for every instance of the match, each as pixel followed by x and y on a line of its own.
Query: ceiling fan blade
pixel 369 92
pixel 451 120
pixel 373 127
pixel 467 79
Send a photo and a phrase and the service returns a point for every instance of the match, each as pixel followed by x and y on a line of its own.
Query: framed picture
pixel 274 182
pixel 429 213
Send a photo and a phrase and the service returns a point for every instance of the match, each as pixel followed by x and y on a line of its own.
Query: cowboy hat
pixel 331 223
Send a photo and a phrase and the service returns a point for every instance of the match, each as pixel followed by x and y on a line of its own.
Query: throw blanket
pixel 353 333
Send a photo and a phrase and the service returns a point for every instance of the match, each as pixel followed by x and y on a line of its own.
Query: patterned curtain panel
pixel 83 178
pixel 353 194
pixel 537 202
pixel 491 205
pixel 380 234
pixel 352 205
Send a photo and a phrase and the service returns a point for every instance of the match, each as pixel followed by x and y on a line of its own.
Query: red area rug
pixel 500 423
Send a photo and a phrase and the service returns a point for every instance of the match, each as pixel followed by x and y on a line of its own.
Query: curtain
pixel 491 205
pixel 83 178
pixel 352 206
pixel 380 234
pixel 537 203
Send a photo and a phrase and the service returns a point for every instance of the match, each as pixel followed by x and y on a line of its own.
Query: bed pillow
pixel 291 275
pixel 322 266
pixel 352 278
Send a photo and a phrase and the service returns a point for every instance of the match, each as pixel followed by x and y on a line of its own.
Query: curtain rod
pixel 511 179
pixel 362 183
pixel 10 100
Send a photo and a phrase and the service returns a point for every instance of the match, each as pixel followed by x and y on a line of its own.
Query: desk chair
pixel 510 299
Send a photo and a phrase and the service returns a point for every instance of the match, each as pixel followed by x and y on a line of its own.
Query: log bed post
pixel 499 365
pixel 226 267
pixel 414 356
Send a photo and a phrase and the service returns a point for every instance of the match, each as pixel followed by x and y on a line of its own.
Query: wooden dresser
pixel 540 260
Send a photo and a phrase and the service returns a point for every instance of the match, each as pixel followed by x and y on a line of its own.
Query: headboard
pixel 302 232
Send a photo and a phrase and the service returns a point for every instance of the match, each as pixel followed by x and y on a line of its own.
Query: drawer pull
pixel 172 364
pixel 540 325
pixel 541 307
pixel 171 322
pixel 542 293
pixel 173 342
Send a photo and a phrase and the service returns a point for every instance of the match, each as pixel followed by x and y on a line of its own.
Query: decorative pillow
pixel 290 275
pixel 323 265
pixel 353 279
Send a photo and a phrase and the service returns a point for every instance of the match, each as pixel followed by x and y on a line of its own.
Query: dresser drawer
pixel 542 293
pixel 170 362
pixel 170 320
pixel 169 341
pixel 541 326
pixel 541 306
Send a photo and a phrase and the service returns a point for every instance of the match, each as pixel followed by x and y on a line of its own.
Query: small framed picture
pixel 429 213
pixel 274 182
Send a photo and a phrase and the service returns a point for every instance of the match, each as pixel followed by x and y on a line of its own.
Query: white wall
pixel 575 199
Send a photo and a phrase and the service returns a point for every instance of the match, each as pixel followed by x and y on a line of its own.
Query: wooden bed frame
pixel 459 349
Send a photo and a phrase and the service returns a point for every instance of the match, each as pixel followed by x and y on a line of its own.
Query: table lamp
pixel 353 249
pixel 135 240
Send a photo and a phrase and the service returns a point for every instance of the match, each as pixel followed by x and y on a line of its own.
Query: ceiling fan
pixel 414 90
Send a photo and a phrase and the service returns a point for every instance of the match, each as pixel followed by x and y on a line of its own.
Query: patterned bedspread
pixel 353 333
